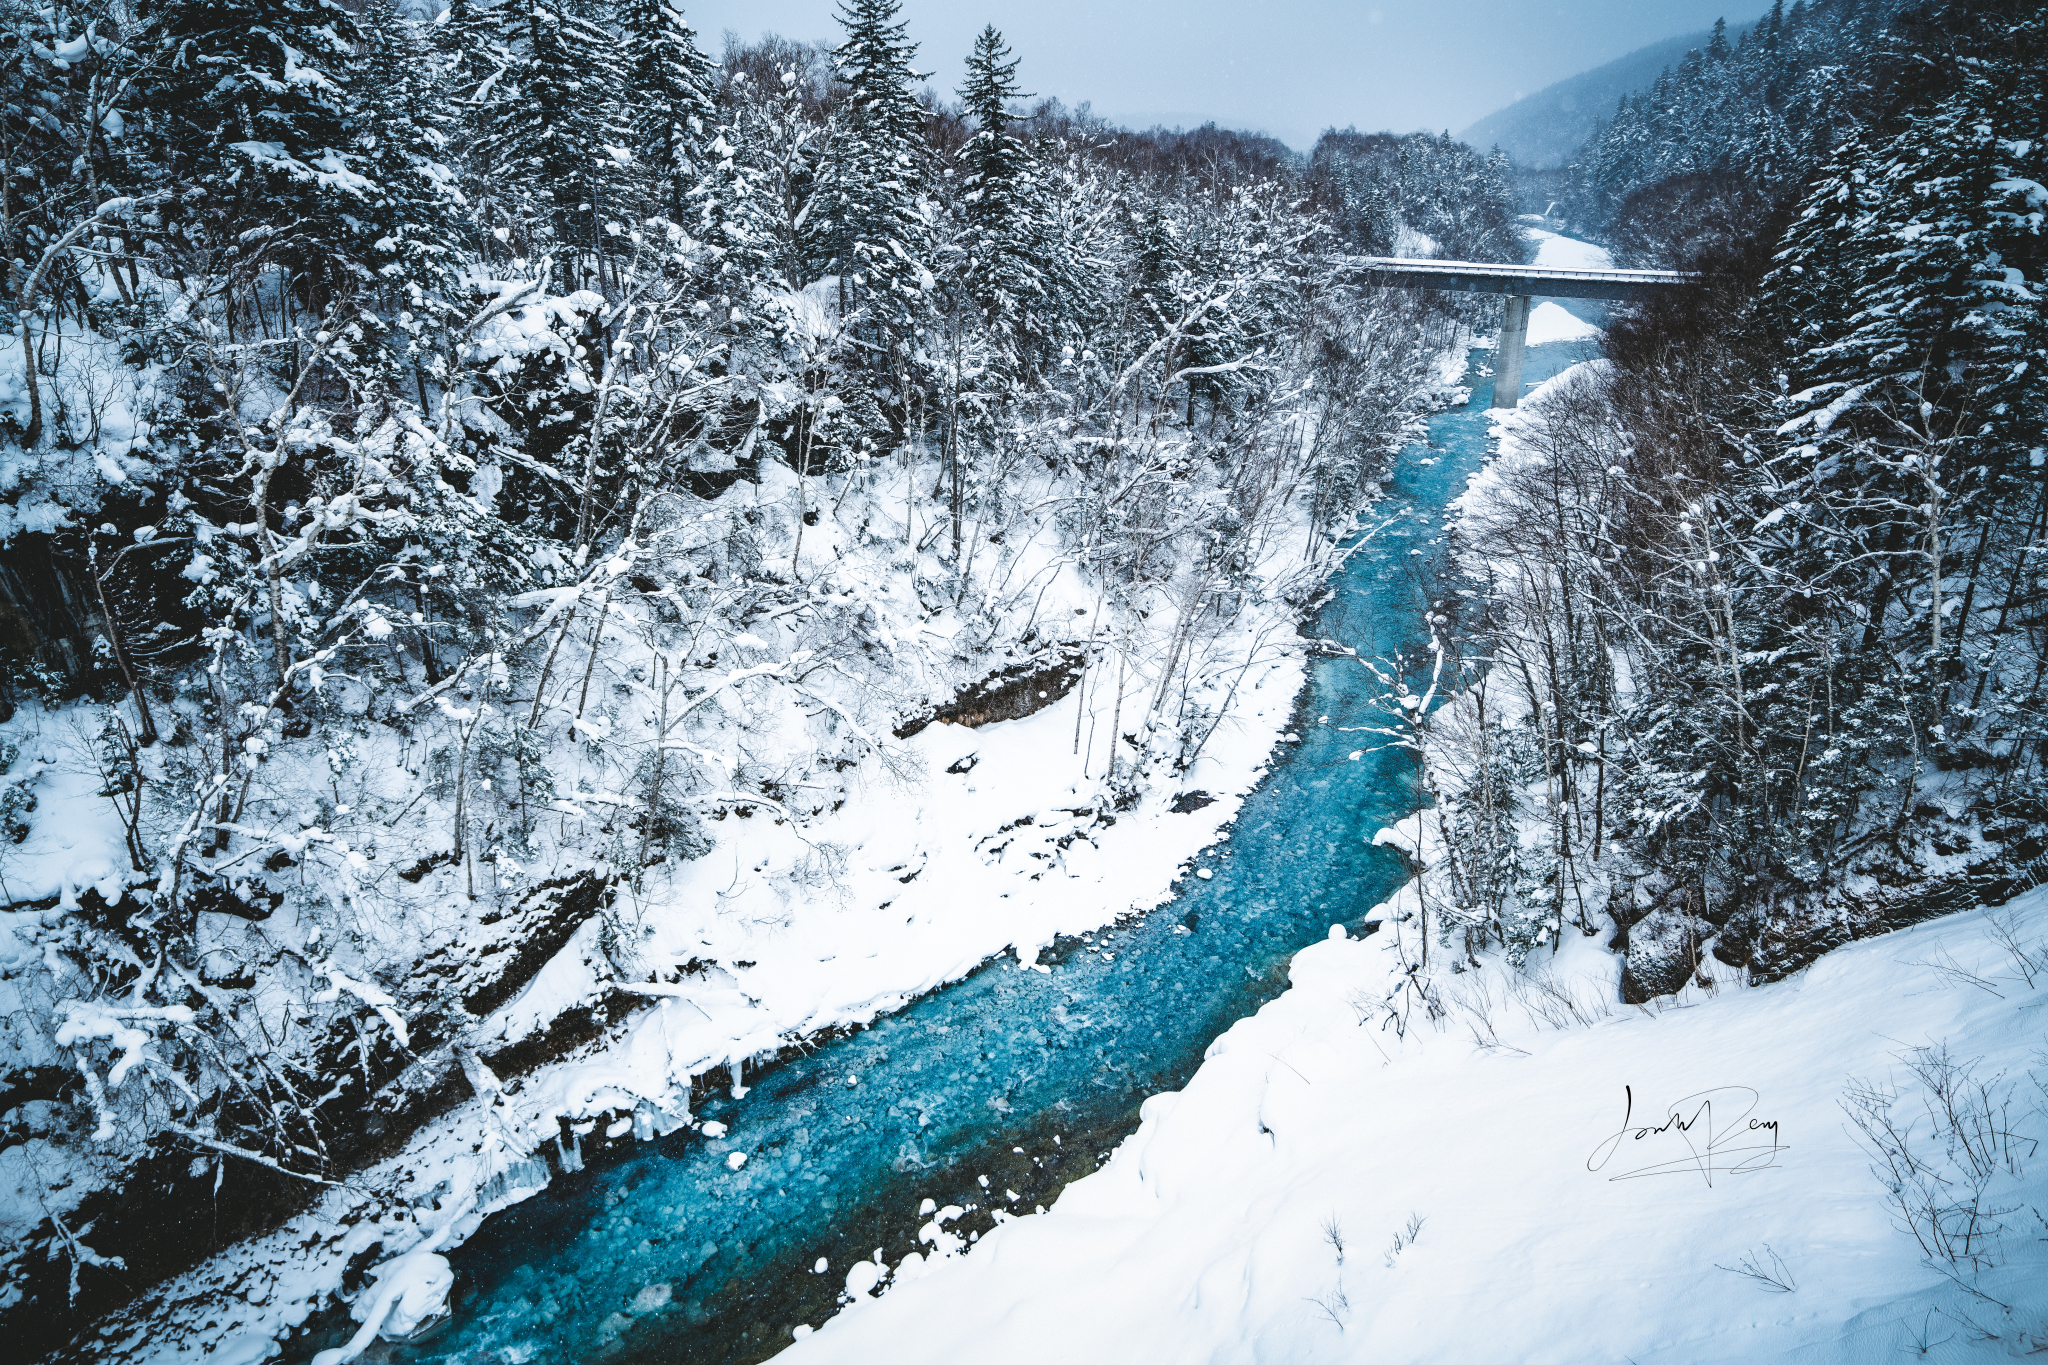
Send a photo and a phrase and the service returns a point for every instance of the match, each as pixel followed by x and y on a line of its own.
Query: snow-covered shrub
pixel 1951 1150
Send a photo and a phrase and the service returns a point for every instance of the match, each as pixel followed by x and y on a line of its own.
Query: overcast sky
pixel 1287 67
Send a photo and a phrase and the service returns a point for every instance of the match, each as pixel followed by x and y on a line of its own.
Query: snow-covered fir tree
pixel 554 136
pixel 246 126
pixel 670 104
pixel 875 217
pixel 1017 263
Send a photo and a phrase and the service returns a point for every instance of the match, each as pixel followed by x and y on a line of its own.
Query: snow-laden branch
pixel 200 1139
pixel 375 997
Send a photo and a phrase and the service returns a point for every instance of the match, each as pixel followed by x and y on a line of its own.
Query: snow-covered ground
pixel 1554 251
pixel 1506 1181
pixel 1549 322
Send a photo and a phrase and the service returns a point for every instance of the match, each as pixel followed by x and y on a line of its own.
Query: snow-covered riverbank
pixel 1506 1181
pixel 955 846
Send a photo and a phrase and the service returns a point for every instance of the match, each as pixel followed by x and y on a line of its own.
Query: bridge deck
pixel 1526 281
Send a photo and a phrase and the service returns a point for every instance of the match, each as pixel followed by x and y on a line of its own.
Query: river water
pixel 1007 1083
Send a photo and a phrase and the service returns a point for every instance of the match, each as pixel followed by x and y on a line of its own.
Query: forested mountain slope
pixel 1736 125
pixel 1759 596
pixel 1421 194
pixel 1541 131
pixel 487 505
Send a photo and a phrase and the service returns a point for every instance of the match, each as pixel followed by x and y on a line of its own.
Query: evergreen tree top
pixel 995 158
pixel 991 81
pixel 875 61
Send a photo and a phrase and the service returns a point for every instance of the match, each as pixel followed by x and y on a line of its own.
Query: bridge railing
pixel 1429 266
pixel 1527 281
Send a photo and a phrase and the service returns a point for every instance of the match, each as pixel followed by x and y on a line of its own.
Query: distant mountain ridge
pixel 1541 131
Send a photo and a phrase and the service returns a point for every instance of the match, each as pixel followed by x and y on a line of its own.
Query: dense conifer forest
pixel 1765 589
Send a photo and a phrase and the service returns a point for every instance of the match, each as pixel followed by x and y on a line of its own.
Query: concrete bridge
pixel 1523 284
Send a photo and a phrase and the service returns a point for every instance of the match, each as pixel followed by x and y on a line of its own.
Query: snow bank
pixel 409 1290
pixel 1331 1186
pixel 1557 252
pixel 1549 322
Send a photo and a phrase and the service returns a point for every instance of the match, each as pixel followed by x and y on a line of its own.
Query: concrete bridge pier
pixel 1507 355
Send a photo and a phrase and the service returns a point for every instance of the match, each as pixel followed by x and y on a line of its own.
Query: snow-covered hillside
pixel 544 568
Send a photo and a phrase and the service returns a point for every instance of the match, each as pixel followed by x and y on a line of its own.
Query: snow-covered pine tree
pixel 997 163
pixel 747 210
pixel 246 126
pixel 402 131
pixel 1463 202
pixel 877 226
pixel 472 46
pixel 1493 195
pixel 1346 184
pixel 673 118
pixel 472 41
pixel 555 144
pixel 1017 263
pixel 473 63
pixel 1483 837
pixel 1912 286
pixel 1156 265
